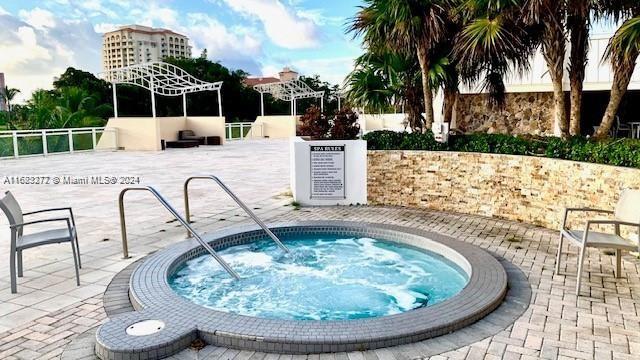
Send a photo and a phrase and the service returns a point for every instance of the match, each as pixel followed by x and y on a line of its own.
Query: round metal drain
pixel 147 327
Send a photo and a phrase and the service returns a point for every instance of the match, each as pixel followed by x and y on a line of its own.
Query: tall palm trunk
pixel 553 50
pixel 450 96
pixel 423 58
pixel 621 78
pixel 413 104
pixel 578 23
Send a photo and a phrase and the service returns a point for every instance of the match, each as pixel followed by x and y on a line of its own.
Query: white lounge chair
pixel 626 213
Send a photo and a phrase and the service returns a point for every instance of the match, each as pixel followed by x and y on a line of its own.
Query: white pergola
pixel 291 90
pixel 160 78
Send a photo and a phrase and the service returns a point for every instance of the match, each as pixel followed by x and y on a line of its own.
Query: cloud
pixel 38 18
pixel 42 46
pixel 96 8
pixel 237 48
pixel 3 11
pixel 284 27
pixel 102 28
pixel 318 17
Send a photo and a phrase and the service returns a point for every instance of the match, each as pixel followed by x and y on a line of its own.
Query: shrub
pixel 384 140
pixel 345 125
pixel 314 124
pixel 618 152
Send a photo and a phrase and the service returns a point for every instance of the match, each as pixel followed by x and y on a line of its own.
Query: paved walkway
pixel 256 170
pixel 49 312
pixel 603 324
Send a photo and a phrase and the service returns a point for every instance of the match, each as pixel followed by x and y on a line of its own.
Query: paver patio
pixel 50 312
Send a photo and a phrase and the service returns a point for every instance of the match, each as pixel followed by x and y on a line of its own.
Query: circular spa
pixel 342 287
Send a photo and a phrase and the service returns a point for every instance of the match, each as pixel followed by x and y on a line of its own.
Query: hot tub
pixel 345 286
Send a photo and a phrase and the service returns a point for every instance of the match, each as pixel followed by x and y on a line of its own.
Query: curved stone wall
pixel 521 188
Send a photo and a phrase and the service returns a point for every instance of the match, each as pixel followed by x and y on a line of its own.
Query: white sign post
pixel 329 172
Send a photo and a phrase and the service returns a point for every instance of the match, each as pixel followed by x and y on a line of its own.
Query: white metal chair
pixel 626 213
pixel 20 241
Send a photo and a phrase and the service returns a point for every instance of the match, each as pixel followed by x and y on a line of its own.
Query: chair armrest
pixel 617 224
pixel 582 209
pixel 47 210
pixel 73 220
pixel 611 222
pixel 22 225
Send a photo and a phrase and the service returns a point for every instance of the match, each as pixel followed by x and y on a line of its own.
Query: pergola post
pixel 219 103
pixel 115 100
pixel 184 104
pixel 153 100
pixel 339 107
pixel 322 104
pixel 262 104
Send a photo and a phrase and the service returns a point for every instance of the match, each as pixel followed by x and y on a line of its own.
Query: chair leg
pixel 78 250
pixel 618 263
pixel 19 252
pixel 12 272
pixel 559 254
pixel 583 250
pixel 75 263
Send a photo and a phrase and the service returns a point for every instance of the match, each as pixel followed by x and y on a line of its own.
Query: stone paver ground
pixel 256 170
pixel 604 323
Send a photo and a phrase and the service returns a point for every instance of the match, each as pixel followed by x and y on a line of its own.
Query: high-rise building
pixel 136 44
pixel 3 105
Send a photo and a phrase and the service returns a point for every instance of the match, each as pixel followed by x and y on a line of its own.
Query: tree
pixel 382 80
pixel 494 41
pixel 622 52
pixel 409 26
pixel 550 15
pixel 8 94
pixel 578 24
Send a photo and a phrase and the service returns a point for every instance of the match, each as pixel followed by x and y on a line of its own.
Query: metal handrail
pixel 236 199
pixel 165 203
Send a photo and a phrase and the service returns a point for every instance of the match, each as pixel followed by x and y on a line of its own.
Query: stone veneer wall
pixel 528 189
pixel 524 113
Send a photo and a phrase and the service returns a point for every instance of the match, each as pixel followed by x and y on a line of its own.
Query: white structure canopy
pixel 160 78
pixel 289 91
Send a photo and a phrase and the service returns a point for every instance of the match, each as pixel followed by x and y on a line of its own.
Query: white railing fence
pixel 243 130
pixel 21 143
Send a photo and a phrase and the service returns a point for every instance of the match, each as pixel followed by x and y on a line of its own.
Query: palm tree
pixel 493 42
pixel 381 78
pixel 622 52
pixel 408 26
pixel 8 94
pixel 578 25
pixel 68 107
pixel 550 15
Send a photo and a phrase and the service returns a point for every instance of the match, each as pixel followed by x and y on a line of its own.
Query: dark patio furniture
pixel 21 241
pixel 182 144
pixel 213 140
pixel 190 135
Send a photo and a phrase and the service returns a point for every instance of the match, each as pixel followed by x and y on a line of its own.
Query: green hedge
pixel 618 152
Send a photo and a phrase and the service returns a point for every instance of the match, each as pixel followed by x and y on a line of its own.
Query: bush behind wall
pixel 617 152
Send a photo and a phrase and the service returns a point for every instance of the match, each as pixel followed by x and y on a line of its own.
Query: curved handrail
pixel 236 199
pixel 176 215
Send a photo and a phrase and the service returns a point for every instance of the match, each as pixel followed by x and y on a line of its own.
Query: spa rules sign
pixel 328 172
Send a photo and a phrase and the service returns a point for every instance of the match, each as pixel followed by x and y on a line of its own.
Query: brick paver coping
pixel 186 321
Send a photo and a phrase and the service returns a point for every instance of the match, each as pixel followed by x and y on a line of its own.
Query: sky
pixel 40 39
